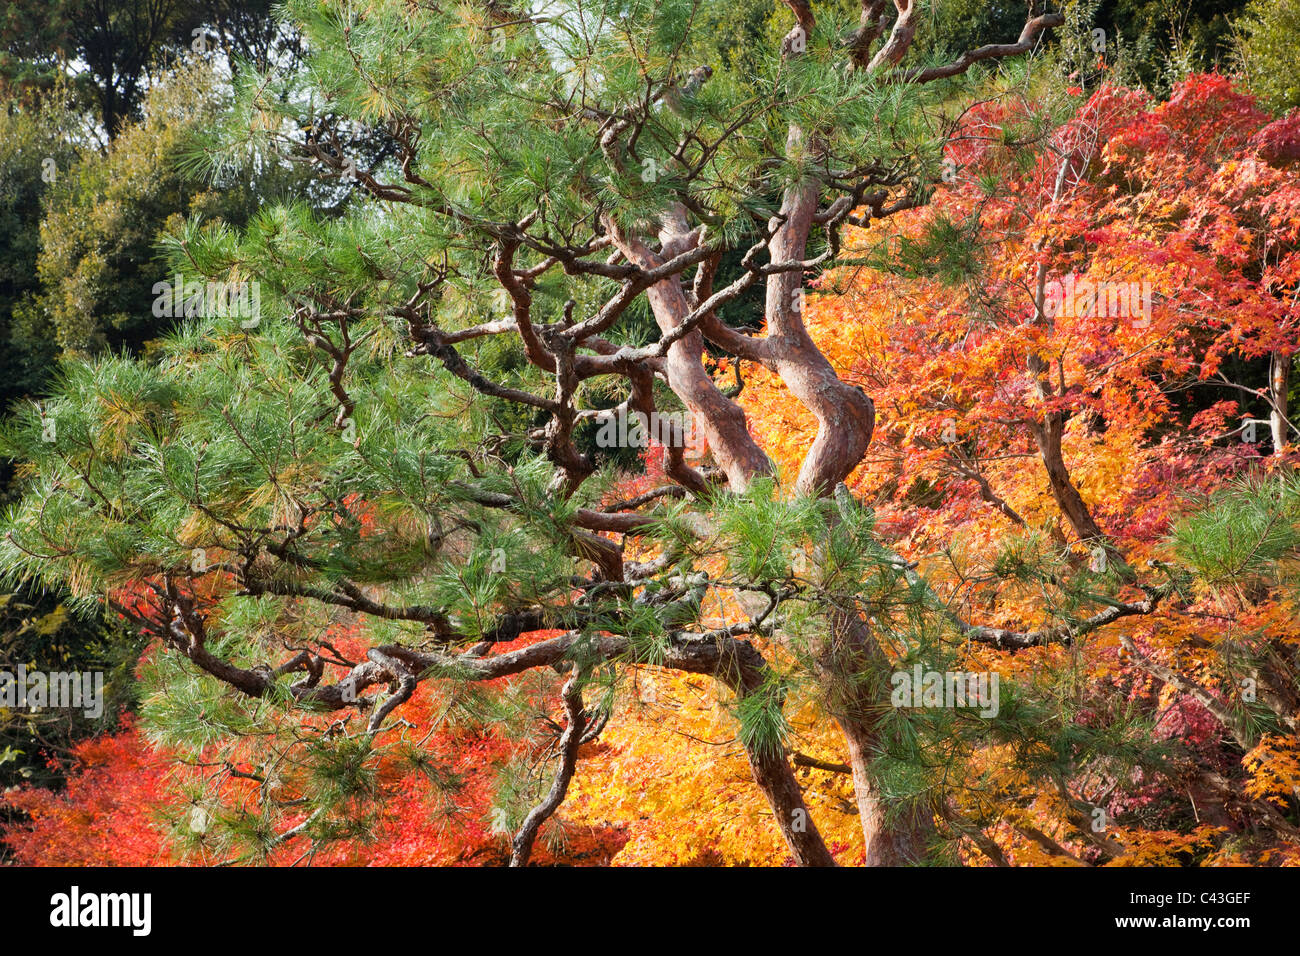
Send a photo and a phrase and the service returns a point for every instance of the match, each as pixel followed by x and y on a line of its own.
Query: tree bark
pixel 722 420
pixel 521 847
pixel 897 842
pixel 745 672
pixel 900 838
pixel 775 779
pixel 1047 436
pixel 845 416
pixel 1279 380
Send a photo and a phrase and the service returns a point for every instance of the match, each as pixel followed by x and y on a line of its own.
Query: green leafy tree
pixel 37 146
pixel 115 49
pixel 1153 42
pixel 1269 53
pixel 105 216
pixel 398 437
pixel 1162 41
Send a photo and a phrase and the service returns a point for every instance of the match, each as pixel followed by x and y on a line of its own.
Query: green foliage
pixel 1269 54
pixel 762 724
pixel 1163 41
pixel 113 52
pixel 105 216
pixel 36 150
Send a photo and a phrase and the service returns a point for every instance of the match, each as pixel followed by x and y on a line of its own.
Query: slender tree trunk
pixel 746 672
pixel 1048 438
pixel 845 419
pixel 1279 381
pixel 521 847
pixel 845 416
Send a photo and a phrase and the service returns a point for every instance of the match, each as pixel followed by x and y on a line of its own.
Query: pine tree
pixel 545 219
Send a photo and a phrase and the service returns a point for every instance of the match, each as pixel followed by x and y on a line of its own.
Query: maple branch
pixel 1047 843
pixel 1080 814
pixel 803 760
pixel 1235 724
pixel 1061 633
pixel 1004 639
pixel 969 828
pixel 968 467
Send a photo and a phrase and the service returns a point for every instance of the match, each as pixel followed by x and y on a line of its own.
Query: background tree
pixel 1268 52
pixel 99 257
pixel 36 146
pixel 115 50
pixel 1154 42
pixel 41 633
pixel 1165 41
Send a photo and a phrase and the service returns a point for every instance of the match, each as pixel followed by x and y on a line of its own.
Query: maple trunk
pixel 1067 497
pixel 1279 380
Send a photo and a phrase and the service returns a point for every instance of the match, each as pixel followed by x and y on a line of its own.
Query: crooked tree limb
pixel 718 654
pixel 990 51
pixel 521 846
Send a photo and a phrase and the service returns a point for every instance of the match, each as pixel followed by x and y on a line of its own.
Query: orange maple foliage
pixel 1196 199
